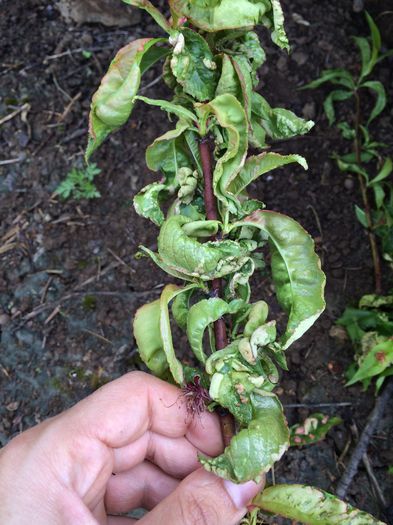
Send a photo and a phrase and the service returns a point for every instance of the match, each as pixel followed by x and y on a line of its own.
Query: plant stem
pixel 227 421
pixel 212 214
pixel 367 209
pixel 361 447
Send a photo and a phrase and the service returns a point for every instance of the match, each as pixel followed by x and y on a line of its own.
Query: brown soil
pixel 70 282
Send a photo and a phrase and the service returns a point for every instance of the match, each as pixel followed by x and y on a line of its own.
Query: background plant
pixel 210 238
pixel 370 328
pixel 366 157
pixel 79 184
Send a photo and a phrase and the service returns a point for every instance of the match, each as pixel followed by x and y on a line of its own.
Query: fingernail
pixel 241 494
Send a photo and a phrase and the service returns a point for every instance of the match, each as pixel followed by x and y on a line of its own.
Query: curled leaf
pixel 193 259
pixel 113 102
pixel 296 271
pixel 311 506
pixel 153 11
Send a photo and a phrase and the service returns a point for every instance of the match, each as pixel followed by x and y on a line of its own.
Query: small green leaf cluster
pixel 370 328
pixel 366 156
pixel 210 232
pixel 79 184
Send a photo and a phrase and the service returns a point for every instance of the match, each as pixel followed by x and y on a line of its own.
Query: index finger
pixel 122 411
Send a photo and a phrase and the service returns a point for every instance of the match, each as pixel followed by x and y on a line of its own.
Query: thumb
pixel 203 498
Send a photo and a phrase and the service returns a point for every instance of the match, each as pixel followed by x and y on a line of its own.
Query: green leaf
pixel 180 307
pixel 229 81
pixel 146 327
pixel 279 36
pixel 310 506
pixel 375 40
pixel 193 65
pixel 258 165
pixel 379 195
pixel 113 102
pixel 361 216
pixel 337 95
pixel 256 448
pixel 169 153
pixel 153 11
pixel 278 123
pixel 168 294
pixel 192 259
pixel 257 317
pixel 296 271
pixel 200 316
pixel 180 111
pixel 312 430
pixel 380 103
pixel 375 362
pixel 335 76
pixel 365 51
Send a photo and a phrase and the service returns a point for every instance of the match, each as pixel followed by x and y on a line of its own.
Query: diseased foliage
pixel 211 235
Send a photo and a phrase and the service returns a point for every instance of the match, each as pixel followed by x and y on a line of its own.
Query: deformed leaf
pixel 188 257
pixel 296 271
pixel 312 430
pixel 311 506
pixel 194 67
pixel 258 165
pixel 213 15
pixel 147 202
pixel 146 327
pixel 113 102
pixel 180 111
pixel 256 448
pixel 277 122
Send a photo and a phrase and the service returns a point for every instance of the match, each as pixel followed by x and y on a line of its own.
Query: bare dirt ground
pixel 69 281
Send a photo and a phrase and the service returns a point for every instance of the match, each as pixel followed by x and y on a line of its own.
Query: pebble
pixel 349 183
pixel 300 58
pixel 358 6
pixel 4 319
pixel 309 110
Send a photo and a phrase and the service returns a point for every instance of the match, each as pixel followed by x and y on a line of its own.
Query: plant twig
pixel 227 421
pixel 366 203
pixel 361 447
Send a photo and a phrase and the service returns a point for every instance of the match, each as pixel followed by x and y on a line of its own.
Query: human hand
pixel 126 446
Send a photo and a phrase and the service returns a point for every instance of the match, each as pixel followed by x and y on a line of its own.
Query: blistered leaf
pixel 258 165
pixel 380 103
pixel 256 448
pixel 296 270
pixel 374 363
pixel 376 301
pixel 180 307
pixel 113 102
pixel 338 95
pixel 279 36
pixel 213 15
pixel 193 65
pixel 147 202
pixel 277 122
pixel 192 259
pixel 153 11
pixel 312 430
pixel 146 327
pixel 229 81
pixel 257 316
pixel 311 506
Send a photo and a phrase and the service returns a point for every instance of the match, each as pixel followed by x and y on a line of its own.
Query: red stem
pixel 227 422
pixel 212 215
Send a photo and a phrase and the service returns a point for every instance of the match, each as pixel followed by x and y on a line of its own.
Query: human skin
pixel 130 444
